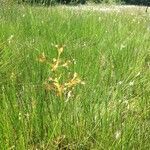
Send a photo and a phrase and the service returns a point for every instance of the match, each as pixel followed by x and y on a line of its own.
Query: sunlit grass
pixel 111 53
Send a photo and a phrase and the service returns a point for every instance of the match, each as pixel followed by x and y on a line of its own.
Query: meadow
pixel 107 63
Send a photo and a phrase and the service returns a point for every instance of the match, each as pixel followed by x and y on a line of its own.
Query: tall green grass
pixel 112 55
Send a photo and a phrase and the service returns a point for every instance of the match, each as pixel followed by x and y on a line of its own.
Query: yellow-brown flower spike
pixel 55 65
pixel 42 58
pixel 66 64
pixel 74 81
pixel 60 50
pixel 58 82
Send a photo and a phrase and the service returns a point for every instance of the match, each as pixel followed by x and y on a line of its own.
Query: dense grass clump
pixel 111 53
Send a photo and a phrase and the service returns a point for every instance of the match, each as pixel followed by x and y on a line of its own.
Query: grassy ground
pixel 111 54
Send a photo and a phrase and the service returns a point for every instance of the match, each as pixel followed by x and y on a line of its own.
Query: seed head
pixel 42 58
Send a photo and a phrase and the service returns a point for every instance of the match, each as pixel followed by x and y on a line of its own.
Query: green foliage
pixel 50 2
pixel 142 2
pixel 136 2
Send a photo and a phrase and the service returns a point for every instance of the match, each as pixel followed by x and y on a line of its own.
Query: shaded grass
pixel 112 55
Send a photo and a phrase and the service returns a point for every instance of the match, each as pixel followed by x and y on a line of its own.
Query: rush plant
pixel 60 82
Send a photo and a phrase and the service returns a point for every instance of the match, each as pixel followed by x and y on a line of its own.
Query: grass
pixel 111 52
